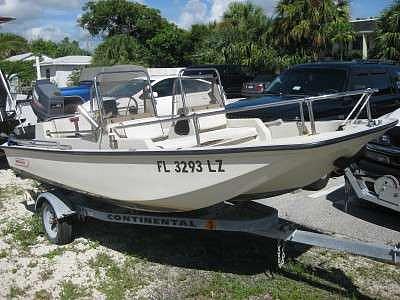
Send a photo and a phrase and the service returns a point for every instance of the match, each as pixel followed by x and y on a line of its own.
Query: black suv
pixel 327 78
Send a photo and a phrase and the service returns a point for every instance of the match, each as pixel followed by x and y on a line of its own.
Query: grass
pixel 93 244
pixel 54 253
pixel 70 291
pixel 15 292
pixel 46 274
pixel 33 264
pixel 25 234
pixel 3 254
pixel 11 190
pixel 42 295
pixel 294 282
pixel 378 272
pixel 119 279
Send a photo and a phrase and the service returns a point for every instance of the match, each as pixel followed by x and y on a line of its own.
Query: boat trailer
pixel 59 208
pixel 383 191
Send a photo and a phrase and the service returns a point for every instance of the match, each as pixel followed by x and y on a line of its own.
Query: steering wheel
pixel 133 110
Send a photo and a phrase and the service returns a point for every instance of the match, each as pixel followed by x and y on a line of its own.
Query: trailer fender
pixel 62 208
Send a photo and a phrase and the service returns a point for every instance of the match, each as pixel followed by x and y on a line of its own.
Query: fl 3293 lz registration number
pixel 191 166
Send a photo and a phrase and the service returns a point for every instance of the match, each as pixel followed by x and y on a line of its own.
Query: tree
pixel 12 44
pixel 168 48
pixel 388 33
pixel 113 17
pixel 67 47
pixel 44 47
pixel 306 26
pixel 54 50
pixel 119 49
pixel 24 70
pixel 342 34
pixel 242 37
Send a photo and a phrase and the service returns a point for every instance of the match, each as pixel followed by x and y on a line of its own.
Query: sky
pixel 55 19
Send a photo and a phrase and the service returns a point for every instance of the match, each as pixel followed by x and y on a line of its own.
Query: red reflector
pixel 74 119
pixel 260 87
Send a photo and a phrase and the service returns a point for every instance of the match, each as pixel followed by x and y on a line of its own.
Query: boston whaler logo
pixel 21 162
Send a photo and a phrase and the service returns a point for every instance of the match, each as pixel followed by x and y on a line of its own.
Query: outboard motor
pixel 48 102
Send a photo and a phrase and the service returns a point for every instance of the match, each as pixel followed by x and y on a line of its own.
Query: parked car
pixel 232 76
pixel 257 86
pixel 327 78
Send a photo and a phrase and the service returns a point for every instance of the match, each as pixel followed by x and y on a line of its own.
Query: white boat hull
pixel 185 180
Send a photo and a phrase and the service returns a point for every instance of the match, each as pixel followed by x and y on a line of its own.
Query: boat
pixel 193 159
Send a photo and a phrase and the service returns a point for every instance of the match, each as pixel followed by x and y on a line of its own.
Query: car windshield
pixel 264 78
pixel 308 82
pixel 126 89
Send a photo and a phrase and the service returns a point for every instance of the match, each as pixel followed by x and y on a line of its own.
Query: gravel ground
pixel 324 210
pixel 111 261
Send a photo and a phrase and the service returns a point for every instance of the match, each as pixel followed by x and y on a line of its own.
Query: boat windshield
pixel 308 81
pixel 124 93
pixel 126 89
pixel 127 93
pixel 201 90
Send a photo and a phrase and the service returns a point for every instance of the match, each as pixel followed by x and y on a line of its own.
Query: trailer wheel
pixel 318 185
pixel 58 232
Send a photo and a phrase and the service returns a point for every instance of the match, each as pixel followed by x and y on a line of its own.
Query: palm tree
pixel 304 26
pixel 11 44
pixel 119 49
pixel 388 33
pixel 341 34
pixel 245 31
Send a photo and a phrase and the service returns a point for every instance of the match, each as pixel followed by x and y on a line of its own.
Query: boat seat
pixel 226 135
pixel 121 119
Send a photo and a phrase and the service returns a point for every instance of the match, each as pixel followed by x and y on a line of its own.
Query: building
pixel 365 30
pixel 29 56
pixel 59 70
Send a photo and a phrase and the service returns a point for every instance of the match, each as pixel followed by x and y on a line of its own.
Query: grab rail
pixel 86 115
pixel 308 100
pixel 367 97
pixel 41 143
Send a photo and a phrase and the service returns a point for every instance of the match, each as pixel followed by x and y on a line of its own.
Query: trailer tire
pixel 58 232
pixel 318 185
